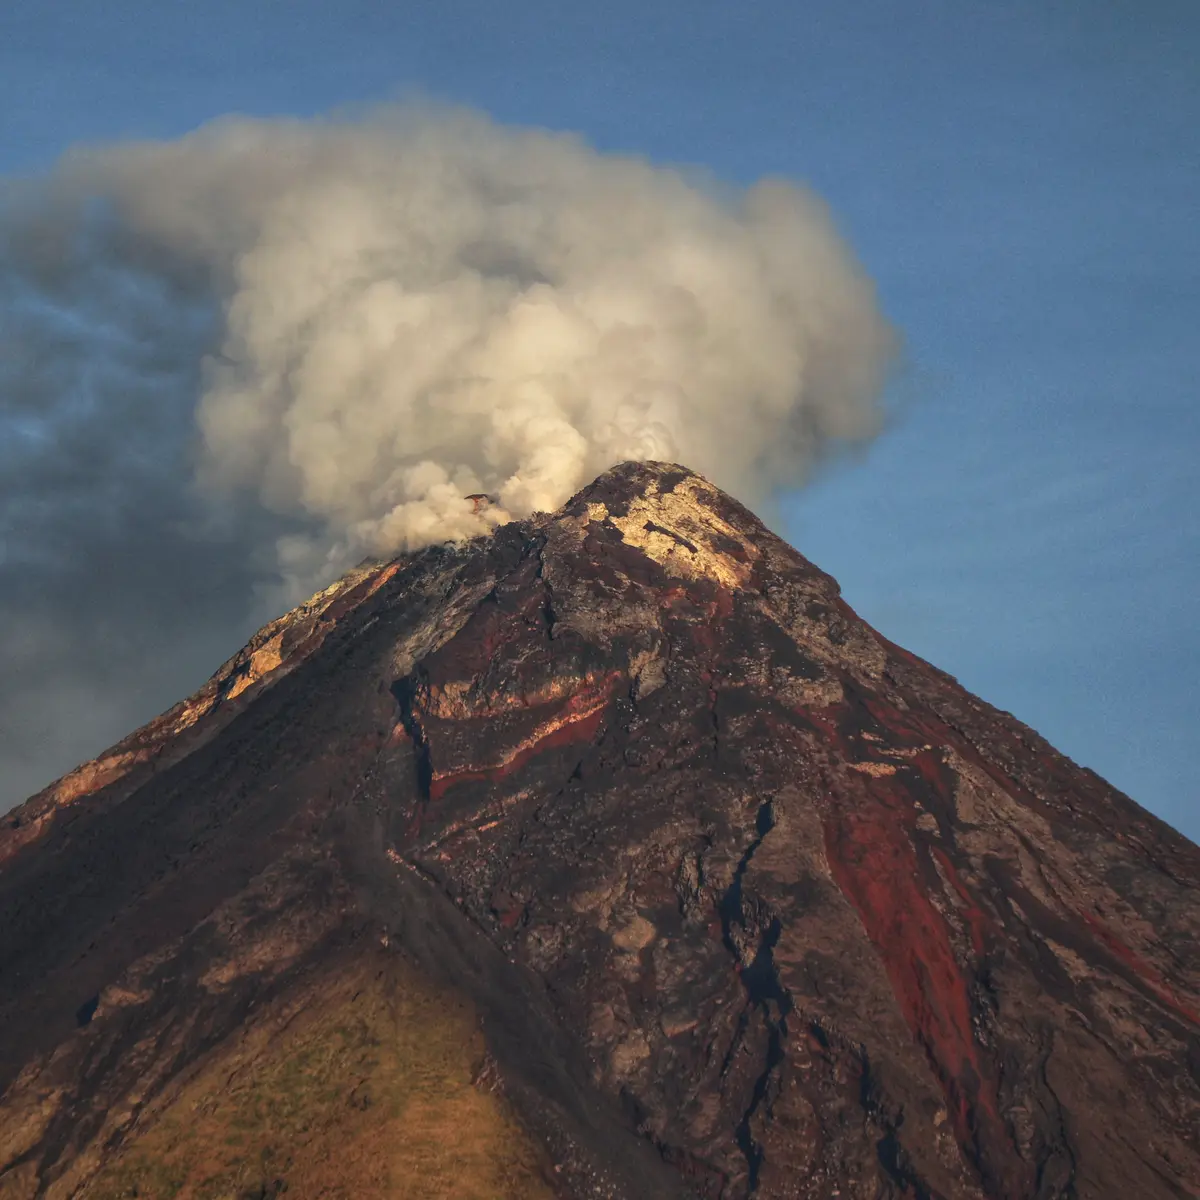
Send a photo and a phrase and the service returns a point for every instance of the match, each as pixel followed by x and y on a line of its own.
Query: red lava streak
pixel 875 864
pixel 1157 984
pixel 977 919
pixel 570 729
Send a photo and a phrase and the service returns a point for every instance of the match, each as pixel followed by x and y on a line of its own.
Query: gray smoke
pixel 233 364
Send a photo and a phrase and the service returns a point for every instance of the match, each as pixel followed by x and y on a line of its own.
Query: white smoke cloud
pixel 313 339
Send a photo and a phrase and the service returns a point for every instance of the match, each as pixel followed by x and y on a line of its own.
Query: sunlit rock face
pixel 743 899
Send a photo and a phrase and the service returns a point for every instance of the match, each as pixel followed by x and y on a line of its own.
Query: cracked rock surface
pixel 743 899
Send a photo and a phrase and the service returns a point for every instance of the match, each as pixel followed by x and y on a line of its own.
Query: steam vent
pixel 611 855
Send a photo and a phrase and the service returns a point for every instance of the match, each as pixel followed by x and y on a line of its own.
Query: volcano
pixel 610 855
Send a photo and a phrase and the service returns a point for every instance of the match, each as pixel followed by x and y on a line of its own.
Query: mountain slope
pixel 743 899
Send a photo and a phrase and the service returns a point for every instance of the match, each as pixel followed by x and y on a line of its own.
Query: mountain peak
pixel 618 841
pixel 630 480
pixel 675 517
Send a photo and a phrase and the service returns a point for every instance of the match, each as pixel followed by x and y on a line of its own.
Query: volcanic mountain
pixel 611 855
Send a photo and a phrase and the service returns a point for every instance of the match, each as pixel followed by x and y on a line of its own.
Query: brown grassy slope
pixel 364 1085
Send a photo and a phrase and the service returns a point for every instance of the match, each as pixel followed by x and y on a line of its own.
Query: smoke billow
pixel 233 364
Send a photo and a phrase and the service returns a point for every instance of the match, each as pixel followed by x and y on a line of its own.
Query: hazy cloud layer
pixel 233 364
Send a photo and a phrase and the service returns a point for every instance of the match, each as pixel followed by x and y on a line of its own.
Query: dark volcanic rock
pixel 747 900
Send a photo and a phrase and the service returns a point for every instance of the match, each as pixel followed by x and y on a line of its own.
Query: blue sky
pixel 1022 181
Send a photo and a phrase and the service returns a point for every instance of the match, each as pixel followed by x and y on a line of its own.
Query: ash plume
pixel 233 364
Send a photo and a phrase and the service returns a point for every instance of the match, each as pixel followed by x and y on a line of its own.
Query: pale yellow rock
pixel 264 660
pixel 872 768
pixel 690 546
pixel 635 936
